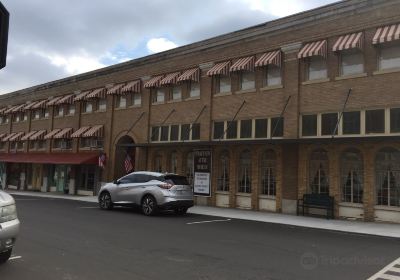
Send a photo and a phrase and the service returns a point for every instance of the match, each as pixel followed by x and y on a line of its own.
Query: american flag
pixel 102 160
pixel 128 163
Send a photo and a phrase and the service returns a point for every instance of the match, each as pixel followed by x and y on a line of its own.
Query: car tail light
pixel 165 186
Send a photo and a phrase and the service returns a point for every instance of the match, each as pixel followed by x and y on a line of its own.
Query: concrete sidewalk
pixel 379 229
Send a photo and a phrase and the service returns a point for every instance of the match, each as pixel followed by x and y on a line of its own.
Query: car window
pixel 142 178
pixel 128 179
pixel 176 180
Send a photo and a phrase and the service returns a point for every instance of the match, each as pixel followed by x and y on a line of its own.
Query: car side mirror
pixel 116 182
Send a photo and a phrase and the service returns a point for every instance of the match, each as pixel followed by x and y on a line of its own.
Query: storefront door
pixel 61 177
pixel 37 176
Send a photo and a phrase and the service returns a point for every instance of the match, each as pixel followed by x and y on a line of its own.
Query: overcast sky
pixel 53 39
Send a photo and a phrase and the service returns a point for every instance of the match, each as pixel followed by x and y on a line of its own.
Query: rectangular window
pixel 261 128
pixel 247 80
pixel 37 114
pixel 88 107
pixel 351 122
pixel 231 132
pixel 71 109
pixel 309 125
pixel 164 133
pixel 185 132
pixel 273 75
pixel 137 99
pixel 84 142
pixel 395 120
pixel 277 125
pixel 25 116
pixel 375 121
pixel 177 93
pixel 16 118
pixel 121 101
pixel 46 112
pixel 155 133
pixel 102 104
pixel 328 123
pixel 351 62
pixel 224 84
pixel 389 56
pixel 174 133
pixel 246 128
pixel 160 95
pixel 194 89
pixel 196 131
pixel 218 130
pixel 59 111
pixel 317 68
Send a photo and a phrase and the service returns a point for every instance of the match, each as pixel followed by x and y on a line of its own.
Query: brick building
pixel 267 101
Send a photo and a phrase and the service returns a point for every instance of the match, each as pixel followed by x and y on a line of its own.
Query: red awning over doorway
pixel 53 158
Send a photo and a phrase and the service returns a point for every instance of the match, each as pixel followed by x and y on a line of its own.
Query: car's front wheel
pixel 105 202
pixel 149 205
pixel 4 256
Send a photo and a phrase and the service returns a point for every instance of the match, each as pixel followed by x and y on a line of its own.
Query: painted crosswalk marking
pixel 389 272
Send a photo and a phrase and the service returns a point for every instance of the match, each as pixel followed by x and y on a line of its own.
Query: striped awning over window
pixel 313 49
pixel 3 110
pixel 221 68
pixel 28 135
pixel 64 133
pixel 2 135
pixel 131 87
pixel 7 137
pixel 94 131
pixel 15 109
pixel 81 95
pixel 80 131
pixel 38 135
pixel 190 75
pixel 51 134
pixel 16 137
pixel 40 104
pixel 243 64
pixel 54 101
pixel 273 57
pixel 386 34
pixel 116 89
pixel 349 41
pixel 30 105
pixel 153 82
pixel 97 93
pixel 169 79
pixel 66 99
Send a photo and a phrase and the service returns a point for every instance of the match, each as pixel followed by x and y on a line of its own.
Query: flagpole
pixel 341 113
pixel 280 116
pixel 229 124
pixel 197 118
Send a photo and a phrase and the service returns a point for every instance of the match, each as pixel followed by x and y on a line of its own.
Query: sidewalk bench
pixel 316 201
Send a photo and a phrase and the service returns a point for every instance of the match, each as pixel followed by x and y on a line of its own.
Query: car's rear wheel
pixel 105 201
pixel 149 205
pixel 4 256
pixel 181 210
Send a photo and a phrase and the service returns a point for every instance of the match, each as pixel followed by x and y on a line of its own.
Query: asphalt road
pixel 62 239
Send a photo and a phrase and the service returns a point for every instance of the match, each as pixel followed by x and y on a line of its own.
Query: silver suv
pixel 153 191
pixel 9 225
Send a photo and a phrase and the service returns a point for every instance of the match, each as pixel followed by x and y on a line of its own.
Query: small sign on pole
pixel 202 172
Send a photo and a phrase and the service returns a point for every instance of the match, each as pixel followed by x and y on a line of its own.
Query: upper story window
pixel 59 111
pixel 224 84
pixel 273 75
pixel 329 123
pixel 102 104
pixel 315 54
pixel 247 80
pixel 261 128
pixel 70 109
pixel 88 107
pixel 351 62
pixel 194 89
pixel 395 120
pixel 219 128
pixel 136 99
pixel 389 56
pixel 120 101
pixel 176 92
pixel 245 68
pixel 309 125
pixel 351 122
pixel 375 121
pixel 17 117
pixel 271 62
pixel 246 128
pixel 159 95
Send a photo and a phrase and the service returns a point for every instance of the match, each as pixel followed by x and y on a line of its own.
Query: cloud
pixel 156 45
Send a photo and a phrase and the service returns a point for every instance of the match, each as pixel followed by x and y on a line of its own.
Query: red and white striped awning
pixel 54 101
pixel 66 99
pixel 273 57
pixel 16 137
pixel 313 49
pixel 97 93
pixel 80 131
pixel 243 64
pixel 3 110
pixel 30 105
pixel 7 137
pixel 170 79
pixel 51 134
pixel 116 89
pixel 386 34
pixel 349 41
pixel 40 104
pixel 190 75
pixel 38 135
pixel 64 133
pixel 131 87
pixel 2 135
pixel 153 82
pixel 221 68
pixel 15 109
pixel 81 95
pixel 28 135
pixel 94 131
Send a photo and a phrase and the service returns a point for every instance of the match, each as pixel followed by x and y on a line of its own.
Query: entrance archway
pixel 124 148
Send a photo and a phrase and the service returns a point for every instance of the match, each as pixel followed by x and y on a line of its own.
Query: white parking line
pixel 87 207
pixel 15 258
pixel 210 221
pixel 389 272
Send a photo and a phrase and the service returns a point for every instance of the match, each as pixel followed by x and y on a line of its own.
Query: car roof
pixel 151 173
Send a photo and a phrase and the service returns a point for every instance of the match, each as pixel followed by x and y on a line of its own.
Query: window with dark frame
pixel 224 84
pixel 246 127
pixel 375 121
pixel 261 128
pixel 155 133
pixel 218 130
pixel 395 120
pixel 185 132
pixel 164 133
pixel 196 131
pixel 273 75
pixel 231 130
pixel 351 122
pixel 277 125
pixel 309 125
pixel 174 133
pixel 328 124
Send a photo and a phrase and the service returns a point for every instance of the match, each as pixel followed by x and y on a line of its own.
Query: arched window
pixel 244 183
pixel 267 173
pixel 319 175
pixel 158 163
pixel 174 162
pixel 189 168
pixel 387 177
pixel 352 176
pixel 223 172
